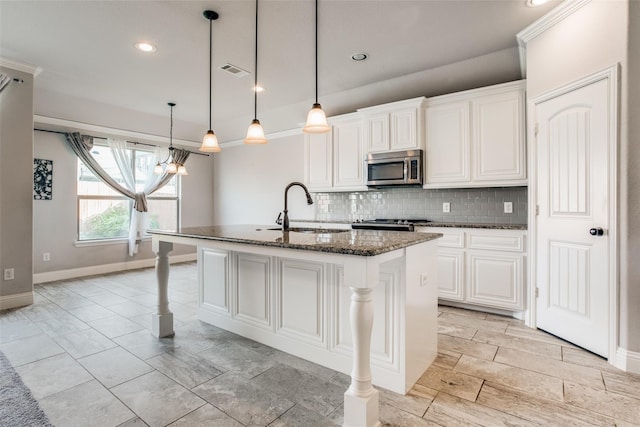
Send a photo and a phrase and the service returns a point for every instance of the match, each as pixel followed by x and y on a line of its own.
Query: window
pixel 105 214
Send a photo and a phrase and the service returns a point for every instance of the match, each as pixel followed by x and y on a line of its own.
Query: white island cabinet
pixel 361 302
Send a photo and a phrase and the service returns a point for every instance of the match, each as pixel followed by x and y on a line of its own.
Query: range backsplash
pixel 469 205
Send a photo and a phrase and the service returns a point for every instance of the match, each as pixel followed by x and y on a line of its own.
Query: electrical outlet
pixel 508 207
pixel 46 256
pixel 446 207
pixel 9 274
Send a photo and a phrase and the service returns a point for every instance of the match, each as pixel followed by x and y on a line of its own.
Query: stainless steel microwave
pixel 394 168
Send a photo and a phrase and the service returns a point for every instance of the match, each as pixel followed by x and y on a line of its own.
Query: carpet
pixel 18 408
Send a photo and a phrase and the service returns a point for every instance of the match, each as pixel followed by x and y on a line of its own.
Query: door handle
pixel 596 231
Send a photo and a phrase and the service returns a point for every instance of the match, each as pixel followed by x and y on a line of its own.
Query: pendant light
pixel 210 140
pixel 316 119
pixel 255 133
pixel 171 166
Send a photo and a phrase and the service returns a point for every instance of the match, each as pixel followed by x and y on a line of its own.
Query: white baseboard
pixel 628 361
pixel 17 300
pixel 52 276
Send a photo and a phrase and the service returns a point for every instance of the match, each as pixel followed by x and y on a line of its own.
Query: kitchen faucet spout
pixel 285 219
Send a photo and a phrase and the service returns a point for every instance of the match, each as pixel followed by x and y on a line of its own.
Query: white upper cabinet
pixel 334 161
pixel 476 138
pixel 318 154
pixel 394 126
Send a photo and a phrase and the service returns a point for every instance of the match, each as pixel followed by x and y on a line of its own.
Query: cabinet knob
pixel 596 231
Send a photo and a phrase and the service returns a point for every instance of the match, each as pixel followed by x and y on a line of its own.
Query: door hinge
pixel 537 210
pixel 536 128
pixel 537 292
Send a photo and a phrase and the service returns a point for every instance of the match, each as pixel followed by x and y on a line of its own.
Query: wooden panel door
pixel 378 132
pixel 573 266
pixel 451 274
pixel 318 161
pixel 403 129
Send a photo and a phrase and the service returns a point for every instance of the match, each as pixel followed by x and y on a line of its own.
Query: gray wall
pixel 16 183
pixel 54 221
pixel 593 38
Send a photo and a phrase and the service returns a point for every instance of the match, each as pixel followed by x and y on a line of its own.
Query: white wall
pixel 249 182
pixel 16 183
pixel 593 38
pixel 55 221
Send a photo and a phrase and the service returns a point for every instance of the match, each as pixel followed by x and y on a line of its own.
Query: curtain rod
pixel 130 142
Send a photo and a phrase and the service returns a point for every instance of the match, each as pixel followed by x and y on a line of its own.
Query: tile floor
pixel 85 351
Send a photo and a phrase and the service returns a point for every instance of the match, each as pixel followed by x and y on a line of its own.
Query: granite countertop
pixel 468 225
pixel 346 242
pixel 436 224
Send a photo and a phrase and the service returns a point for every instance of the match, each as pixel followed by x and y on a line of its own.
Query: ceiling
pixel 92 73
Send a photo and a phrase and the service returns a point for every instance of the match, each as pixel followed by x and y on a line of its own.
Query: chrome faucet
pixel 284 221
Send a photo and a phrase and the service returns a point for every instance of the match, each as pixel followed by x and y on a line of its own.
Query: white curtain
pixel 139 217
pixel 81 146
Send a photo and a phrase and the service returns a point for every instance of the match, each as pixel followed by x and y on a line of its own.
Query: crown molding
pixel 566 8
pixel 20 66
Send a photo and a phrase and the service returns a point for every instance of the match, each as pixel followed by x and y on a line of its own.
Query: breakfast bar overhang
pixel 362 302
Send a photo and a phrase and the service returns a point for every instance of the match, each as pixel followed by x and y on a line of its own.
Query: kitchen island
pixel 315 294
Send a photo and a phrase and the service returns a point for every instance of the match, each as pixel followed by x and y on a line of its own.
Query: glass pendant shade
pixel 172 167
pixel 210 143
pixel 182 170
pixel 157 170
pixel 255 133
pixel 316 121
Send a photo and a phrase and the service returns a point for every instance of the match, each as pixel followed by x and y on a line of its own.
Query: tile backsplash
pixel 469 205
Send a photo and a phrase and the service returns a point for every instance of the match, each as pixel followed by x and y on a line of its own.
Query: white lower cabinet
pixel 483 267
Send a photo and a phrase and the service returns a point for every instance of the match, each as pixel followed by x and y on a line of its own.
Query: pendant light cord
pixel 210 65
pixel 316 51
pixel 255 83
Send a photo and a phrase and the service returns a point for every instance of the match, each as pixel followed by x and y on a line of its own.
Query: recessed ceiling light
pixel 145 47
pixel 534 3
pixel 258 89
pixel 359 56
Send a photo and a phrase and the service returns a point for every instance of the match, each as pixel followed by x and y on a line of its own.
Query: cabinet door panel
pixel 495 279
pixel 253 289
pixel 319 158
pixel 348 155
pixel 447 156
pixel 378 132
pixel 214 283
pixel 451 275
pixel 403 130
pixel 498 133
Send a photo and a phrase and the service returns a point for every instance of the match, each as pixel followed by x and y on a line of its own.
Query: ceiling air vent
pixel 236 71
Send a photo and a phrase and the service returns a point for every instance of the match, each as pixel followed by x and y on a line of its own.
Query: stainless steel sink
pixel 308 230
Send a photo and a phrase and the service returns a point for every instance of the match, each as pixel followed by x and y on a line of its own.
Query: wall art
pixel 42 179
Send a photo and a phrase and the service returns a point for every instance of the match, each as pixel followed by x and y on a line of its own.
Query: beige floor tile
pixel 462 311
pixel 625 383
pixel 520 379
pixel 553 351
pixel 473 322
pixel 620 406
pixel 415 403
pixel 582 357
pixel 459 345
pixel 537 410
pixel 446 359
pixel 507 319
pixel 456 330
pixel 448 410
pixel 535 334
pixel 555 368
pixel 452 382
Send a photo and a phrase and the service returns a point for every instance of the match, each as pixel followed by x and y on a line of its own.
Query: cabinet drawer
pixel 501 241
pixel 451 238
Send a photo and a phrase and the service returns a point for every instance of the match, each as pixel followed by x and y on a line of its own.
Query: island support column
pixel 361 399
pixel 162 320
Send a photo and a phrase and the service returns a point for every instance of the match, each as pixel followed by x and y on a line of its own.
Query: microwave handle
pixel 406 170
